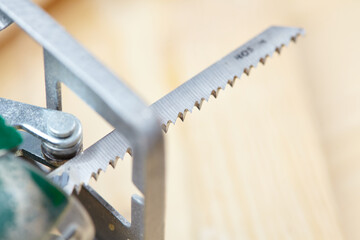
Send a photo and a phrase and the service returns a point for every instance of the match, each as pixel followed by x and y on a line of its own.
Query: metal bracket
pixel 60 132
pixel 68 62
pixel 106 218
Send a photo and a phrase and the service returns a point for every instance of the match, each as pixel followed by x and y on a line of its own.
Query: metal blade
pixel 199 88
pixel 174 105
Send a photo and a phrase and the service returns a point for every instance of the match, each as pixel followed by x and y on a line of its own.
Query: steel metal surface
pixel 60 141
pixel 68 62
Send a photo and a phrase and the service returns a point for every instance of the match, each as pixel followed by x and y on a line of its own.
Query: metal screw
pixel 61 125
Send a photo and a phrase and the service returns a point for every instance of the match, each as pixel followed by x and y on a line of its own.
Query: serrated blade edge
pixel 198 89
pixel 176 104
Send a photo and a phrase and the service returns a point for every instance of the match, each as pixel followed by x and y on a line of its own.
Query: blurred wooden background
pixel 275 157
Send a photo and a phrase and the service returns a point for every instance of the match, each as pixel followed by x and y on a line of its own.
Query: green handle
pixel 9 137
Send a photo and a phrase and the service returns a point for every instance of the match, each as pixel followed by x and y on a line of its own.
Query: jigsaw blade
pixel 176 104
pixel 209 82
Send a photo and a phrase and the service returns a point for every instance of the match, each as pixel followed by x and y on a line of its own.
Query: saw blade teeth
pixel 264 59
pixel 166 107
pixel 279 49
pixel 129 151
pixel 199 105
pixel 95 176
pixel 165 127
pixel 182 115
pixel 114 162
pixel 247 70
pixel 216 92
pixel 294 38
pixel 234 81
pixel 231 82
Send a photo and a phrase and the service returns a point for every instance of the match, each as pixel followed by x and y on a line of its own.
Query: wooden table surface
pixel 275 157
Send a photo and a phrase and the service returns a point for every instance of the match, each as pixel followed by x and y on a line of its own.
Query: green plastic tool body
pixel 9 137
pixel 29 204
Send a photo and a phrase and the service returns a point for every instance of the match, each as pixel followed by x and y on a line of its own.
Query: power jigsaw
pixel 51 153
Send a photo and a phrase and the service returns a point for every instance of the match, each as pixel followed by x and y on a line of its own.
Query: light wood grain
pixel 275 157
